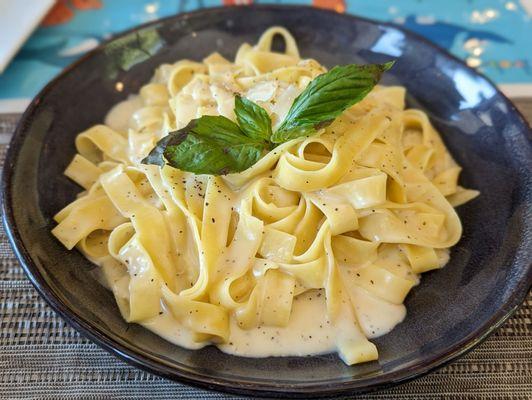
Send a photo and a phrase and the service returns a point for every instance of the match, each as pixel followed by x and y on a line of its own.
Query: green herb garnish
pixel 212 145
pixel 216 145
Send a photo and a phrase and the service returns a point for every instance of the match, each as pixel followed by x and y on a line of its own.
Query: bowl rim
pixel 138 358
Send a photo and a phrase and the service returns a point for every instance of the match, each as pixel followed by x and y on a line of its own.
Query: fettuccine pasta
pixel 312 249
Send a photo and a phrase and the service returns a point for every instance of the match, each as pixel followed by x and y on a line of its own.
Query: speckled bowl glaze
pixel 450 312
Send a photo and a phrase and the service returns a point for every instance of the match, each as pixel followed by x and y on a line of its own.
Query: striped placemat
pixel 41 357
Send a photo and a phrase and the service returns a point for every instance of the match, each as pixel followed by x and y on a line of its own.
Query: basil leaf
pixel 253 119
pixel 326 97
pixel 200 155
pixel 208 145
pixel 218 128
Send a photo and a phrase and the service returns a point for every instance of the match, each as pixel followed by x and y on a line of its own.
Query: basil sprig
pixel 216 145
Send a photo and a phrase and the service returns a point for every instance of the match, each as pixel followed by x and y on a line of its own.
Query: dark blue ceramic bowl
pixel 450 312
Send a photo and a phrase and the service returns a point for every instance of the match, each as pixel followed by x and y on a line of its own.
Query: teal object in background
pixel 494 36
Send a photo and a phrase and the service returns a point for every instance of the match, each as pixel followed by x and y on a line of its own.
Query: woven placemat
pixel 41 357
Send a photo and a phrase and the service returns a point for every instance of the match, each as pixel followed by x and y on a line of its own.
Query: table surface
pixel 42 357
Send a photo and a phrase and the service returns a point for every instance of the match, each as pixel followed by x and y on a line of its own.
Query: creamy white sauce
pixel 375 316
pixel 119 116
pixel 308 332
pixel 167 327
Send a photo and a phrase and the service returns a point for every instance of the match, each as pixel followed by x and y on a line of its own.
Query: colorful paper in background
pixel 494 36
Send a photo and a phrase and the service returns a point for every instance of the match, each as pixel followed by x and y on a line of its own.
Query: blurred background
pixel 494 36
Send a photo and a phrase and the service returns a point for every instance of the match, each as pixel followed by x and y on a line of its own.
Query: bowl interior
pixel 489 271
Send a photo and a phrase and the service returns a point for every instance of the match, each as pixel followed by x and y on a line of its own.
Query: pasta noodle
pixel 312 249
